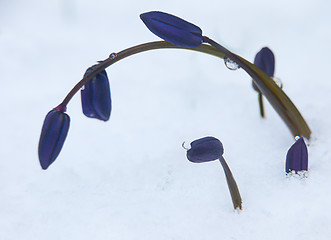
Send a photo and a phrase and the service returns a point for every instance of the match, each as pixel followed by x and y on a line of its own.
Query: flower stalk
pixel 277 98
pixel 204 48
pixel 209 149
pixel 232 185
pixel 275 95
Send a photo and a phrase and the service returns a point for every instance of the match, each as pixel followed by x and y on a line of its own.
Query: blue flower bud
pixel 297 157
pixel 96 97
pixel 53 135
pixel 209 149
pixel 173 29
pixel 265 60
pixel 205 149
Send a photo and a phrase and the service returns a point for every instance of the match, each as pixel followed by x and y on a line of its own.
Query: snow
pixel 129 178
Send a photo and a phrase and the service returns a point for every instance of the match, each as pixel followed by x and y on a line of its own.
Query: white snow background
pixel 129 178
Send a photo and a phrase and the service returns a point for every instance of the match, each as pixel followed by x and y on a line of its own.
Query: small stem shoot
pixel 260 99
pixel 233 187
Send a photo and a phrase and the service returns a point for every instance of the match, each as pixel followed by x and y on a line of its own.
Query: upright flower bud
pixel 265 60
pixel 173 29
pixel 96 97
pixel 297 157
pixel 205 150
pixel 53 135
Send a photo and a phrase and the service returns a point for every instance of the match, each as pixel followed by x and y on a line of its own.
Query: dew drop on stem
pixel 113 55
pixel 230 64
pixel 278 82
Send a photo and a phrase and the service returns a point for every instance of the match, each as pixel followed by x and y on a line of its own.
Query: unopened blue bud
pixel 297 157
pixel 265 60
pixel 53 135
pixel 205 149
pixel 96 97
pixel 172 29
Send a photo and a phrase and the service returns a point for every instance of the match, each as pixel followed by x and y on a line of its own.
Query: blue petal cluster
pixel 53 135
pixel 172 29
pixel 205 149
pixel 96 97
pixel 265 60
pixel 297 157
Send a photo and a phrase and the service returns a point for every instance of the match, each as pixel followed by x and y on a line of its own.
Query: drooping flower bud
pixel 209 149
pixel 53 135
pixel 172 29
pixel 205 149
pixel 297 157
pixel 96 97
pixel 265 60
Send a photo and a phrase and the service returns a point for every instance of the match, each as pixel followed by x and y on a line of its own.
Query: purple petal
pixel 297 157
pixel 265 60
pixel 172 29
pixel 205 149
pixel 53 135
pixel 96 97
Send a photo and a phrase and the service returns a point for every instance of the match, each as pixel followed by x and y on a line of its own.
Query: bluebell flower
pixel 96 97
pixel 173 29
pixel 265 60
pixel 53 135
pixel 205 149
pixel 297 157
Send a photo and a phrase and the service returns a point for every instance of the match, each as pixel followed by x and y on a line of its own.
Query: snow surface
pixel 129 178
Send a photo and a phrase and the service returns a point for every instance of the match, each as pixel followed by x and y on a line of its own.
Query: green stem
pixel 204 48
pixel 277 98
pixel 260 99
pixel 233 187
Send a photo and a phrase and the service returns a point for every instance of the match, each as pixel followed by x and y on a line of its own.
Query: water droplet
pixel 83 88
pixel 113 55
pixel 301 175
pixel 297 138
pixel 230 64
pixel 278 82
pixel 183 146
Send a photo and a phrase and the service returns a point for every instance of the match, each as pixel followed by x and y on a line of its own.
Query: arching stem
pixel 204 48
pixel 278 99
